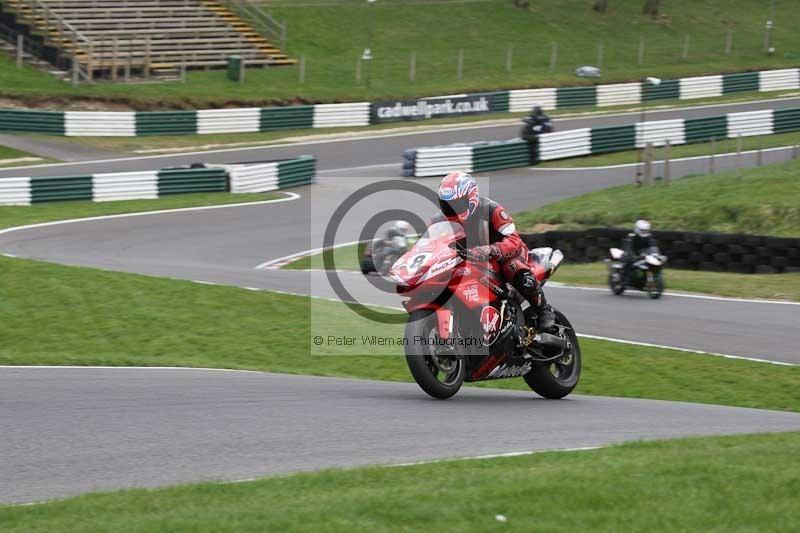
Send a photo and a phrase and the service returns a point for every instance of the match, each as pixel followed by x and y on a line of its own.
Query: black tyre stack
pixel 720 252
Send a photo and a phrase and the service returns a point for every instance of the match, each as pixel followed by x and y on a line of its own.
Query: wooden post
pixel 641 50
pixel 183 69
pixel 412 67
pixel 75 68
pixel 128 61
pixel 685 54
pixel 739 154
pixel 729 42
pixel 648 163
pixel 553 56
pixel 460 69
pixel 302 69
pixel 242 69
pixel 509 57
pixel 114 59
pixel 20 49
pixel 90 62
pixel 147 58
pixel 667 157
pixel 712 167
pixel 600 55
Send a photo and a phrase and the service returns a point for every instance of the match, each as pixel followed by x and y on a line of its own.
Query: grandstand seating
pixel 104 36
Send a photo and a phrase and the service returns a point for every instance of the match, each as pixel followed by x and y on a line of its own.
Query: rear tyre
pixel 615 283
pixel 437 369
pixel 367 266
pixel 556 379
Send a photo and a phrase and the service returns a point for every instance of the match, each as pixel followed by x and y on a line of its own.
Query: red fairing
pixel 511 245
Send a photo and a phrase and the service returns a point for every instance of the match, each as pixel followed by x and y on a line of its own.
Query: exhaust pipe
pixel 548 339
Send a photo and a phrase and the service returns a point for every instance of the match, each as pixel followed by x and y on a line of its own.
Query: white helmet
pixel 402 227
pixel 642 228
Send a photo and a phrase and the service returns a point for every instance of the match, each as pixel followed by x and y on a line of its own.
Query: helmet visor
pixel 455 207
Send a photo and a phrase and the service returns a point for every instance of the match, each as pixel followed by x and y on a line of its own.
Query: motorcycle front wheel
pixel 436 368
pixel 655 288
pixel 556 379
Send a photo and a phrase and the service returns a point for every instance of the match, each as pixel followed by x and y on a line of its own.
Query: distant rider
pixel 535 124
pixel 637 243
pixel 491 234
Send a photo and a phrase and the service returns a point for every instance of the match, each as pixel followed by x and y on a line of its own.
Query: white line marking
pixel 290 196
pixel 496 456
pixel 10 255
pixel 686 350
pixel 377 135
pixel 588 336
pixel 275 264
pixel 103 367
pixel 683 295
pixel 201 282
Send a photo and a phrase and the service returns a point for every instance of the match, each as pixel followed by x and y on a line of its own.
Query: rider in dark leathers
pixel 637 243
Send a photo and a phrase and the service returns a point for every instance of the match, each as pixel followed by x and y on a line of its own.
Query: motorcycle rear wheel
pixel 427 361
pixel 617 286
pixel 557 379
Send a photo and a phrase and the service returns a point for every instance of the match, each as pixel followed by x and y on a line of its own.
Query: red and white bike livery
pixel 466 324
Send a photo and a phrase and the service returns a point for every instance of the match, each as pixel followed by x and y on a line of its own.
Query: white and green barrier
pixel 208 121
pixel 481 157
pixel 157 183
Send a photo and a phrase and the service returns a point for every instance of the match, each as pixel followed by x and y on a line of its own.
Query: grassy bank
pixel 686 150
pixel 761 201
pixel 332 35
pixel 176 323
pixel 48 212
pixel 768 286
pixel 711 484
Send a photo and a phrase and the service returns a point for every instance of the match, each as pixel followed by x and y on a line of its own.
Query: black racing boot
pixel 539 309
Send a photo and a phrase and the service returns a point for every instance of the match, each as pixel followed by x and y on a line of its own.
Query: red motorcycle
pixel 466 324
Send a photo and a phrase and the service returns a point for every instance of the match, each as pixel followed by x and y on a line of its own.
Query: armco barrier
pixel 690 250
pixel 262 177
pixel 359 113
pixel 154 184
pixel 478 157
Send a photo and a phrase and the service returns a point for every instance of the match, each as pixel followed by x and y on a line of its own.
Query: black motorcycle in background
pixel 643 273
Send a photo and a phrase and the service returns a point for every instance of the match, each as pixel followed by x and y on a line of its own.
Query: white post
pixel 412 67
pixel 685 54
pixel 509 57
pixel 20 49
pixel 553 56
pixel 641 50
pixel 729 42
pixel 302 69
pixel 460 71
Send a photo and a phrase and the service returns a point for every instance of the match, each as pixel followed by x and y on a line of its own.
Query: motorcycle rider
pixel 535 124
pixel 491 234
pixel 636 244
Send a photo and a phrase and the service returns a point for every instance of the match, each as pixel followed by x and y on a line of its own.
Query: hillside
pixel 331 35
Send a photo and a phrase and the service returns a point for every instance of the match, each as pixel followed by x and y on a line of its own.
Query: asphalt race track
pixel 67 431
pixel 78 430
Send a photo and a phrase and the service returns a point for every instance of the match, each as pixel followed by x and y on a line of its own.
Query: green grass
pixel 761 201
pixel 8 155
pixel 768 286
pixel 48 212
pixel 685 150
pixel 179 323
pixel 332 38
pixel 742 483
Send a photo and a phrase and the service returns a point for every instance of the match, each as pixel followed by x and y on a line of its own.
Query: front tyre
pixel 656 287
pixel 558 378
pixel 437 369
